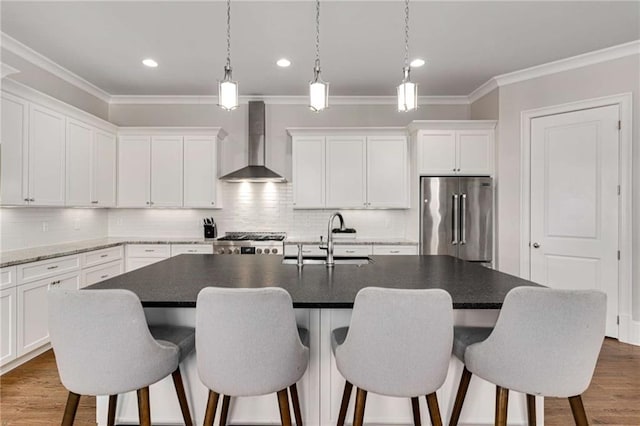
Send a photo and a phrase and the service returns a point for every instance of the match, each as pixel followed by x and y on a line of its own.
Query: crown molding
pixel 483 90
pixel 281 100
pixel 14 46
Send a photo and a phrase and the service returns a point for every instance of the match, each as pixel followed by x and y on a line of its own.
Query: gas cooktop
pixel 253 236
pixel 249 243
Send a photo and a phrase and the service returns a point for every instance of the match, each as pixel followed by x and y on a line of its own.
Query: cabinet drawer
pixel 102 272
pixel 8 277
pixel 351 251
pixel 8 325
pixel 148 250
pixel 395 250
pixel 291 250
pixel 99 257
pixel 177 249
pixel 47 268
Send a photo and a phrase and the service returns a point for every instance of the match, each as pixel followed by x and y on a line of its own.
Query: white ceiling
pixel 464 43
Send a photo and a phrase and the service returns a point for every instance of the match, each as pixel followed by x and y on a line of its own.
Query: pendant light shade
pixel 318 89
pixel 227 88
pixel 228 91
pixel 407 91
pixel 318 92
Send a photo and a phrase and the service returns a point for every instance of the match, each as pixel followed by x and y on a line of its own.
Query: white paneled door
pixel 574 203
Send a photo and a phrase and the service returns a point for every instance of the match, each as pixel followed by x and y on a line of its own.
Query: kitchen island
pixel 323 298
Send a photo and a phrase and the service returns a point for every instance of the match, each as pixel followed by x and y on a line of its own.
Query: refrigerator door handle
pixel 463 219
pixel 455 226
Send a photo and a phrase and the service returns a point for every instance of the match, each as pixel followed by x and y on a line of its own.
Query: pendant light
pixel 227 88
pixel 318 89
pixel 407 91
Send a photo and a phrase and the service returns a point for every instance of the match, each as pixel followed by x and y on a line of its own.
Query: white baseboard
pixel 28 357
pixel 629 330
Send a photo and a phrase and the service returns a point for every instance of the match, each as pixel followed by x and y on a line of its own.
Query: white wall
pixel 32 227
pixel 253 207
pixel 608 78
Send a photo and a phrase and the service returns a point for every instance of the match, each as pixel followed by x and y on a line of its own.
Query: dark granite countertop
pixel 175 282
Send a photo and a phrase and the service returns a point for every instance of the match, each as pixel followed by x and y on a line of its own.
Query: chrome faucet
pixel 329 246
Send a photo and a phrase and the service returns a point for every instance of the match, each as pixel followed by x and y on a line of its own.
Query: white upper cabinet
pixel 134 171
pixel 350 168
pixel 387 172
pixel 79 175
pixel 46 156
pixel 308 171
pixel 455 147
pixel 346 171
pixel 166 171
pixel 14 178
pixel 200 171
pixel 104 170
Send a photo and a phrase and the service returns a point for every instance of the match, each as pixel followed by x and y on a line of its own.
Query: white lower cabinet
pixel 103 272
pixel 140 255
pixel 32 310
pixel 396 250
pixel 352 250
pixel 177 249
pixel 8 326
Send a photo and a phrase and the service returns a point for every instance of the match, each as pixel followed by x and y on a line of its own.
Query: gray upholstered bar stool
pixel 103 346
pixel 248 344
pixel 546 343
pixel 398 344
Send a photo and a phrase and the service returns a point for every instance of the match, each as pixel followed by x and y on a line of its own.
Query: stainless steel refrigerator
pixel 457 217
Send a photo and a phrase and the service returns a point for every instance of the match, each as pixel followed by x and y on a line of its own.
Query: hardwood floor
pixel 33 395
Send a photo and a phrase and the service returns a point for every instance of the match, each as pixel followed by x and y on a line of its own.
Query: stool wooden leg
pixel 293 390
pixel 531 409
pixel 502 399
pixel 361 401
pixel 283 403
pixel 182 397
pixel 224 414
pixel 462 393
pixel 144 409
pixel 579 415
pixel 212 406
pixel 70 409
pixel 434 410
pixel 113 403
pixel 415 406
pixel 346 395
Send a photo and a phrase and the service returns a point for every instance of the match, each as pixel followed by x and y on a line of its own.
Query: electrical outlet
pixel 45 226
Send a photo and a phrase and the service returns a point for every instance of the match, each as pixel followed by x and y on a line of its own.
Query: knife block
pixel 210 231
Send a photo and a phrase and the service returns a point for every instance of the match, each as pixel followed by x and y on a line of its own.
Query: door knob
pixel 536 245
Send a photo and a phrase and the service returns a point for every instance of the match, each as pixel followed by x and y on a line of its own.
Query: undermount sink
pixel 358 261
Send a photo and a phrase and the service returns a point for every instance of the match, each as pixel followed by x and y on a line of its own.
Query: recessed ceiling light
pixel 284 62
pixel 416 63
pixel 149 63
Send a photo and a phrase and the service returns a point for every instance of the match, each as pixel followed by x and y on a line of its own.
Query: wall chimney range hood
pixel 256 170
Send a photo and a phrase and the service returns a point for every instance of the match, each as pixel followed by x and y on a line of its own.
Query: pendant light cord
pixel 228 33
pixel 317 34
pixel 406 33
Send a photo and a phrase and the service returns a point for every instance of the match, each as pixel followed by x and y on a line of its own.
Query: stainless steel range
pixel 249 243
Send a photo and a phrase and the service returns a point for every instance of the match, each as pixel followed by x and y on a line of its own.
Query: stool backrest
pixel 545 342
pixel 247 341
pixel 102 342
pixel 399 341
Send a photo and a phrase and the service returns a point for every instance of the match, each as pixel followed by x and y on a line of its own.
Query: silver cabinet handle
pixel 26 199
pixel 104 276
pixel 394 251
pixel 104 255
pixel 463 219
pixel 148 203
pixel 454 220
pixel 536 245
pixel 350 251
pixel 150 250
pixel 94 202
pixel 192 251
pixel 52 267
pixel 213 203
pixel 32 199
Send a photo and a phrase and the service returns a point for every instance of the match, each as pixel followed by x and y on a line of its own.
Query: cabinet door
pixel 104 170
pixel 346 172
pixel 7 325
pixel 166 171
pixel 134 168
pixel 475 152
pixel 79 170
pixel 32 323
pixel 437 152
pixel 200 172
pixel 46 156
pixel 14 177
pixel 387 172
pixel 308 172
